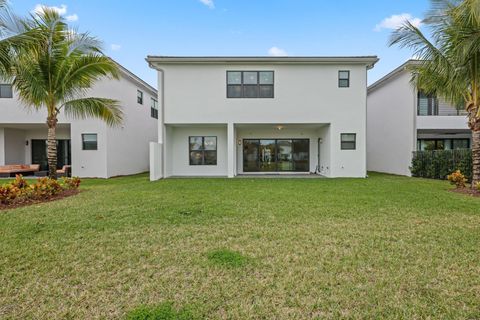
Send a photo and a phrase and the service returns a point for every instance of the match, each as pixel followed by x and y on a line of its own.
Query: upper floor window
pixel 139 97
pixel 89 141
pixel 427 105
pixel 6 91
pixel 250 84
pixel 154 108
pixel 348 141
pixel 203 150
pixel 343 79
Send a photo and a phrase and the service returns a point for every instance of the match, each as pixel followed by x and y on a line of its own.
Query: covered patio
pixel 23 148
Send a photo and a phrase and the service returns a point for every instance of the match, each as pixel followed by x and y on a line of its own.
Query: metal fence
pixel 439 164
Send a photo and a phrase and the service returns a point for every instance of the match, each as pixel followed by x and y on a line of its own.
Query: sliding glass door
pixel 39 153
pixel 274 155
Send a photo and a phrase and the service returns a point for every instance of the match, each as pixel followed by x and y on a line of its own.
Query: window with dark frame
pixel 202 150
pixel 348 141
pixel 89 141
pixel 427 104
pixel 6 91
pixel 154 108
pixel 344 79
pixel 139 97
pixel 443 144
pixel 250 84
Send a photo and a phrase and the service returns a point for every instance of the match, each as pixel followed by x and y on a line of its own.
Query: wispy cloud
pixel 61 10
pixel 277 52
pixel 72 17
pixel 115 47
pixel 395 21
pixel 208 3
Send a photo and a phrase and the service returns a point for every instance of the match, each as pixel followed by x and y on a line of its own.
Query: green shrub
pixel 440 163
pixel 164 311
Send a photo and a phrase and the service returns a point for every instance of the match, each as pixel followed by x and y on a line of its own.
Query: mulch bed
pixel 64 194
pixel 467 191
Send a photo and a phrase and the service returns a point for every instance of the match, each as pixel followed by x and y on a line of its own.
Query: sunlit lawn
pixel 382 247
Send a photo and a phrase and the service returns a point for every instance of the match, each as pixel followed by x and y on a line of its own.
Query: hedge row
pixel 439 164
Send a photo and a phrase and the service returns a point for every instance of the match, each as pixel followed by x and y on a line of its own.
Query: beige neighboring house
pixel 92 148
pixel 402 119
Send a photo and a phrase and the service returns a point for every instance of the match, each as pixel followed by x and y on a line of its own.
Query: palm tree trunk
pixel 52 147
pixel 476 155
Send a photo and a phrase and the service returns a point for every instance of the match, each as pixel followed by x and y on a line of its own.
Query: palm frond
pixel 104 109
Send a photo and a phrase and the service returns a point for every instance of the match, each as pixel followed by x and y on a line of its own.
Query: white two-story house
pixel 402 119
pixel 229 116
pixel 92 148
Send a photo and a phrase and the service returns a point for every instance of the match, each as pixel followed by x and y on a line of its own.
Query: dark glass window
pixel 139 97
pixel 348 141
pixel 203 150
pixel 154 109
pixel 427 105
pixel 89 141
pixel 250 84
pixel 6 91
pixel 343 79
pixel 442 144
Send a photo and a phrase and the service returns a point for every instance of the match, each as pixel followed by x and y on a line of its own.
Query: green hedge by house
pixel 440 163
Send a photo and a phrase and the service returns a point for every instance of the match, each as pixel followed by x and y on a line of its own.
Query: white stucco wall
pixel 391 133
pixel 127 146
pixel 2 146
pixel 196 94
pixel 14 146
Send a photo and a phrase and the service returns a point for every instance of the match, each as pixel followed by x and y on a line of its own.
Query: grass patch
pixel 386 247
pixel 164 311
pixel 227 258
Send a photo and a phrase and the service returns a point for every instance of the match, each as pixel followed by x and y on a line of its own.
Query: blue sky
pixel 131 30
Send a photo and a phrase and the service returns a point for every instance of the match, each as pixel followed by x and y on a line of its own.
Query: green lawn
pixel 382 247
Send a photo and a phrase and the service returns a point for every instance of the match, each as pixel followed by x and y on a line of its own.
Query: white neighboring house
pixel 227 116
pixel 91 147
pixel 401 120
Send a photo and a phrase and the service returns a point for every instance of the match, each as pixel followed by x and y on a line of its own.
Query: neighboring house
pixel 401 120
pixel 226 116
pixel 92 148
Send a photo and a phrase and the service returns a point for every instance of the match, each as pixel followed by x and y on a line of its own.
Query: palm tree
pixel 450 60
pixel 52 67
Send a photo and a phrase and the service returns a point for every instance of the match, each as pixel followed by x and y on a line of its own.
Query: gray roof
pixel 135 78
pixel 368 60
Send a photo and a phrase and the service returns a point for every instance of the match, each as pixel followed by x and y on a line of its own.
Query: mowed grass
pixel 383 247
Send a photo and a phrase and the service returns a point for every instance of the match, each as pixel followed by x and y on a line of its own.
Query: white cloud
pixel 277 52
pixel 72 17
pixel 208 3
pixel 115 47
pixel 395 21
pixel 61 10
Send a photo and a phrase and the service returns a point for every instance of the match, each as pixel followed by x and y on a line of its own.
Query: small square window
pixel 348 141
pixel 203 151
pixel 139 97
pixel 6 91
pixel 343 79
pixel 234 91
pixel 250 91
pixel 89 141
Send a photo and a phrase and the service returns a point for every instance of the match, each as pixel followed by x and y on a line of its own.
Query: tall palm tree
pixel 450 60
pixel 52 67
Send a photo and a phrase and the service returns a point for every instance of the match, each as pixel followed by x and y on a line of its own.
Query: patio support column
pixel 231 150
